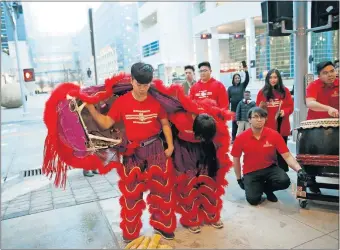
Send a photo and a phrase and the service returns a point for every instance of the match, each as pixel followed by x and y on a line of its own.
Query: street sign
pixel 29 75
pixel 252 63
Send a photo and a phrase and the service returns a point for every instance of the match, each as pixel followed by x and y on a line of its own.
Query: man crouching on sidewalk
pixel 261 173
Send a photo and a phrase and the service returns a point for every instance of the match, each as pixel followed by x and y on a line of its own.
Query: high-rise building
pixel 116 40
pixel 8 38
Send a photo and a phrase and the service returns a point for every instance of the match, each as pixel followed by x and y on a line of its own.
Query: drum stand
pixel 317 165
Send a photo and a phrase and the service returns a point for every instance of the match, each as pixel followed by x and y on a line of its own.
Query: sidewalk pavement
pixel 87 215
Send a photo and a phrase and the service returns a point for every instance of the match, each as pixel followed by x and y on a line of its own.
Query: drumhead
pixel 317 123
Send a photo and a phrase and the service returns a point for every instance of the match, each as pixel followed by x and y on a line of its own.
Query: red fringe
pixel 132 194
pixel 189 223
pixel 192 211
pixel 134 175
pixel 159 202
pixel 139 206
pixel 167 229
pixel 210 208
pixel 133 235
pixel 194 193
pixel 208 220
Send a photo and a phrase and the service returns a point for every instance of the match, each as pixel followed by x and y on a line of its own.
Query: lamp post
pixel 14 13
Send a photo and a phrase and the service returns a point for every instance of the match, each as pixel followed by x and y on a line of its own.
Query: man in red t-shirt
pixel 322 97
pixel 145 161
pixel 260 171
pixel 208 87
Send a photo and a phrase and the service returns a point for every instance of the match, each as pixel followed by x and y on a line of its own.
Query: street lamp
pixel 14 13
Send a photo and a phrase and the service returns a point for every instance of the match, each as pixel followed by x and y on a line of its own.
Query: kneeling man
pixel 261 173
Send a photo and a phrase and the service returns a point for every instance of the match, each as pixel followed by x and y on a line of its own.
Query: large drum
pixel 318 137
pixel 318 143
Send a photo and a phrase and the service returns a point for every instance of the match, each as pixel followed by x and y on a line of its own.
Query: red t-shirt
pixel 273 106
pixel 184 123
pixel 141 119
pixel 258 154
pixel 212 89
pixel 325 95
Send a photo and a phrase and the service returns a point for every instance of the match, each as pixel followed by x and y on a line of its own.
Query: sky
pixel 57 18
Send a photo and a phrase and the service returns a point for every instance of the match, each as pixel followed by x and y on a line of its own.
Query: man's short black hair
pixel 207 64
pixel 320 66
pixel 247 91
pixel 189 67
pixel 142 72
pixel 256 110
pixel 204 127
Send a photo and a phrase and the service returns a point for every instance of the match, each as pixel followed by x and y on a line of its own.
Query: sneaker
pixel 167 236
pixel 95 171
pixel 315 189
pixel 127 240
pixel 88 173
pixel 271 196
pixel 194 230
pixel 217 225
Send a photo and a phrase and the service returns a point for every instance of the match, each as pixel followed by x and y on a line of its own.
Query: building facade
pixel 54 58
pixel 8 41
pixel 169 31
pixel 166 38
pixel 226 53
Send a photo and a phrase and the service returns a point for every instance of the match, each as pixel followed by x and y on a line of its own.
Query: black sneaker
pixel 167 236
pixel 271 196
pixel 315 189
pixel 126 240
pixel 88 173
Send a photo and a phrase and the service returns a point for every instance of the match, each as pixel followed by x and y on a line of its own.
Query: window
pixel 151 49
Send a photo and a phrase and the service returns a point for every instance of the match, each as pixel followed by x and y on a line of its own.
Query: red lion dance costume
pixel 74 139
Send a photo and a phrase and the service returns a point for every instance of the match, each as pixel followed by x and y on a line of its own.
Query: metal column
pixel 93 47
pixel 301 61
pixel 13 16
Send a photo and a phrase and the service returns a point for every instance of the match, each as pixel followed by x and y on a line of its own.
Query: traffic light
pixel 238 36
pixel 206 36
pixel 320 12
pixel 29 75
pixel 273 12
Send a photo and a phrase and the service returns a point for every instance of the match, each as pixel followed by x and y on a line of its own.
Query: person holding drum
pixel 147 166
pixel 322 98
pixel 261 173
pixel 277 100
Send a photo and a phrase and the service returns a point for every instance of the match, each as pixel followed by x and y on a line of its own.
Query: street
pixel 87 213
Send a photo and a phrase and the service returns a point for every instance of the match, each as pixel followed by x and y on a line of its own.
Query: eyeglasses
pixel 257 117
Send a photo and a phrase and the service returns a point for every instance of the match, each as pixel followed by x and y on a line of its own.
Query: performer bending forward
pixel 146 164
pixel 201 163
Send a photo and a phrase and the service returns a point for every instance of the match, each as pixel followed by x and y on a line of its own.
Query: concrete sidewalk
pixel 87 215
